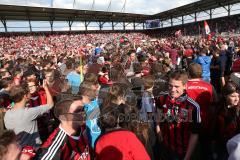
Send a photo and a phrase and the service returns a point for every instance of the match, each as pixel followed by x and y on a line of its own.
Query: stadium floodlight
pixel 93 4
pixel 52 3
pixel 74 1
pixel 109 6
pixel 124 6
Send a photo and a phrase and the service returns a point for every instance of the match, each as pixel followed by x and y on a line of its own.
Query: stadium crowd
pixel 119 96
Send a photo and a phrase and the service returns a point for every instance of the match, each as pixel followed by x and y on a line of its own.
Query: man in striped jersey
pixel 68 141
pixel 179 123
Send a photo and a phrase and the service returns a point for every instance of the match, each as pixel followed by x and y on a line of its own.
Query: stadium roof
pixel 13 12
pixel 191 8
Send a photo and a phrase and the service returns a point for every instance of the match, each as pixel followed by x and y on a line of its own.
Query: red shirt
pixel 236 66
pixel 145 71
pixel 120 145
pixel 172 54
pixel 178 120
pixel 38 98
pixel 202 92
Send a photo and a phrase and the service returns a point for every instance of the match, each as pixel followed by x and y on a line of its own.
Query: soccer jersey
pixel 59 145
pixel 178 120
pixel 202 92
pixel 37 99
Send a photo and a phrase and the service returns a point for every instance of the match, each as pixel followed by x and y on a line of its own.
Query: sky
pixel 132 6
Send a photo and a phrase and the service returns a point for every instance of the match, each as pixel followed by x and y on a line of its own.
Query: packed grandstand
pixel 162 90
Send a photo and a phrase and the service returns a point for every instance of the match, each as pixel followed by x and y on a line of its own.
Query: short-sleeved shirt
pixel 74 80
pixel 202 92
pixel 23 122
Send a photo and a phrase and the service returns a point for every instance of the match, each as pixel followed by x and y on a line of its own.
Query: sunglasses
pixel 31 86
pixel 79 117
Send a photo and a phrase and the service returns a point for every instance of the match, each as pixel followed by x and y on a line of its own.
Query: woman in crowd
pixel 115 97
pixel 228 118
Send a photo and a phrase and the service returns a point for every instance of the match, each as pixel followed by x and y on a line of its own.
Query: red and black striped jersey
pixel 60 146
pixel 178 120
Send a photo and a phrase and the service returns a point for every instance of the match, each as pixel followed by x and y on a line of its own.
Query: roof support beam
pixel 134 25
pixel 176 18
pixel 210 13
pixel 195 16
pixel 116 23
pixel 206 11
pixel 100 25
pixel 229 10
pixel 51 25
pixel 86 24
pixel 138 24
pixel 29 21
pixel 4 24
pixel 30 26
pixel 70 25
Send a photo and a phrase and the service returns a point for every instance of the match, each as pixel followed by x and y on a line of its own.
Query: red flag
pixel 178 33
pixel 207 29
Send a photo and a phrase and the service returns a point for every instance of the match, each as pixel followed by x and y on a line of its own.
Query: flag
pixel 178 33
pixel 81 68
pixel 207 29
